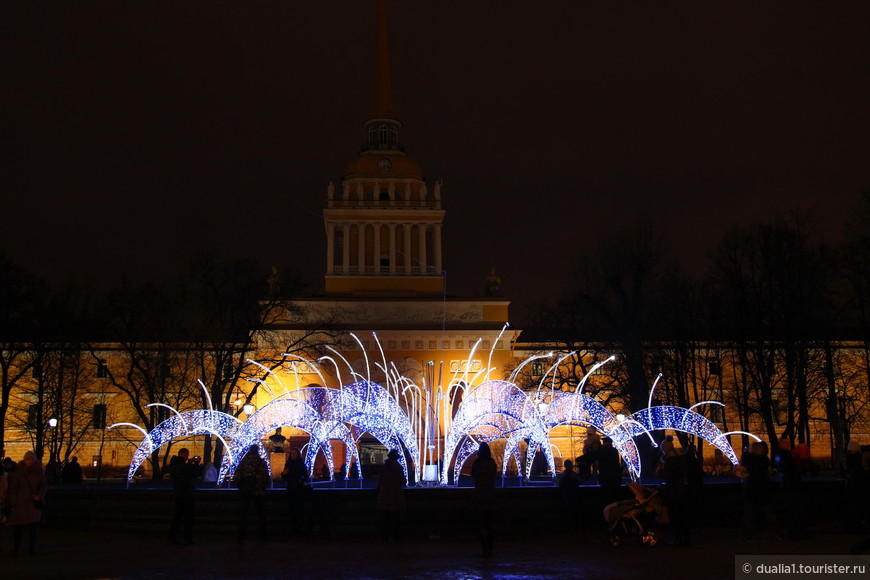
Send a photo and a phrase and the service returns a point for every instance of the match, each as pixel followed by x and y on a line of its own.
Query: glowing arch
pixel 180 425
pixel 570 408
pixel 326 429
pixel 681 419
pixel 500 405
pixel 284 411
pixel 369 408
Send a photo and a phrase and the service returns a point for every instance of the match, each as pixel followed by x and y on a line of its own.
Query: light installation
pixel 490 411
pixel 680 419
pixel 432 424
pixel 579 409
pixel 198 422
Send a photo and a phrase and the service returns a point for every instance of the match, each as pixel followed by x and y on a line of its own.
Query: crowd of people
pixel 773 489
pixel 23 488
pixel 773 486
pixel 680 470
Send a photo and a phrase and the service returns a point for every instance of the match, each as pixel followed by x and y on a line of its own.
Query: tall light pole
pixel 52 449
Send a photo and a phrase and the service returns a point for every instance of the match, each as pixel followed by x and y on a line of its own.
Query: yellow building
pixel 385 293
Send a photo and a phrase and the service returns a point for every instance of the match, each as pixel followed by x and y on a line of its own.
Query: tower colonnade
pixel 395 248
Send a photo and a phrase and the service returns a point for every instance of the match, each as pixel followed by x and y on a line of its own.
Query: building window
pixel 713 367
pixel 338 247
pixel 102 370
pixel 99 416
pixel 383 133
pixel 32 415
pixel 537 368
pixel 159 414
pixel 165 371
pixel 36 371
pixel 384 195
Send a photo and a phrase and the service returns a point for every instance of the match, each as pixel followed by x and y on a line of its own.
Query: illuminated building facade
pixel 385 284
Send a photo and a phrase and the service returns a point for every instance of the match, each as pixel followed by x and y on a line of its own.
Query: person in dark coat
pixel 391 496
pixel 252 479
pixel 569 478
pixel 676 495
pixel 296 476
pixel 757 513
pixel 484 472
pixel 856 489
pixel 694 472
pixel 25 498
pixel 591 447
pixel 569 491
pixel 4 484
pixel 609 471
pixel 862 479
pixel 183 474
pixel 72 472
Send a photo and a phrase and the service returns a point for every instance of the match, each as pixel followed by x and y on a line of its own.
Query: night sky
pixel 133 133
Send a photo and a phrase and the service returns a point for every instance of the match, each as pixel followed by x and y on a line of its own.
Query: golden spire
pixel 383 101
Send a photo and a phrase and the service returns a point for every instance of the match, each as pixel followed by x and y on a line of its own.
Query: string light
pixel 198 422
pixel 492 410
pixel 681 419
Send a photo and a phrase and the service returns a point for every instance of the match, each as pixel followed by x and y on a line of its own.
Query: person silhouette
pixel 183 474
pixel 484 472
pixel 252 478
pixel 391 496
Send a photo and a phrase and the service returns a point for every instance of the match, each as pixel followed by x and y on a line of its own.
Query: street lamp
pixel 52 451
pixel 249 409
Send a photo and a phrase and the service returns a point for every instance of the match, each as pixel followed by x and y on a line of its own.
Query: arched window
pixel 394 134
pixel 382 136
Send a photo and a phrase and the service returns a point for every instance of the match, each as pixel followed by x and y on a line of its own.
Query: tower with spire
pixel 384 273
pixel 383 223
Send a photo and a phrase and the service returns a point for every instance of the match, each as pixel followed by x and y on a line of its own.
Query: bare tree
pixel 619 287
pixel 770 290
pixel 144 359
pixel 236 318
pixel 21 299
pixel 56 389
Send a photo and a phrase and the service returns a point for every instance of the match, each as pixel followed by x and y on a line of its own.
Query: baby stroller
pixel 633 517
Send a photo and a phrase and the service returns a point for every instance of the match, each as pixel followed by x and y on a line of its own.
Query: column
pixel 376 248
pixel 345 255
pixel 437 242
pixel 361 254
pixel 407 248
pixel 392 248
pixel 421 230
pixel 330 248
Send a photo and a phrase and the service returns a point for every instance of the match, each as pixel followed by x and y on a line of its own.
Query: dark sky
pixel 134 132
